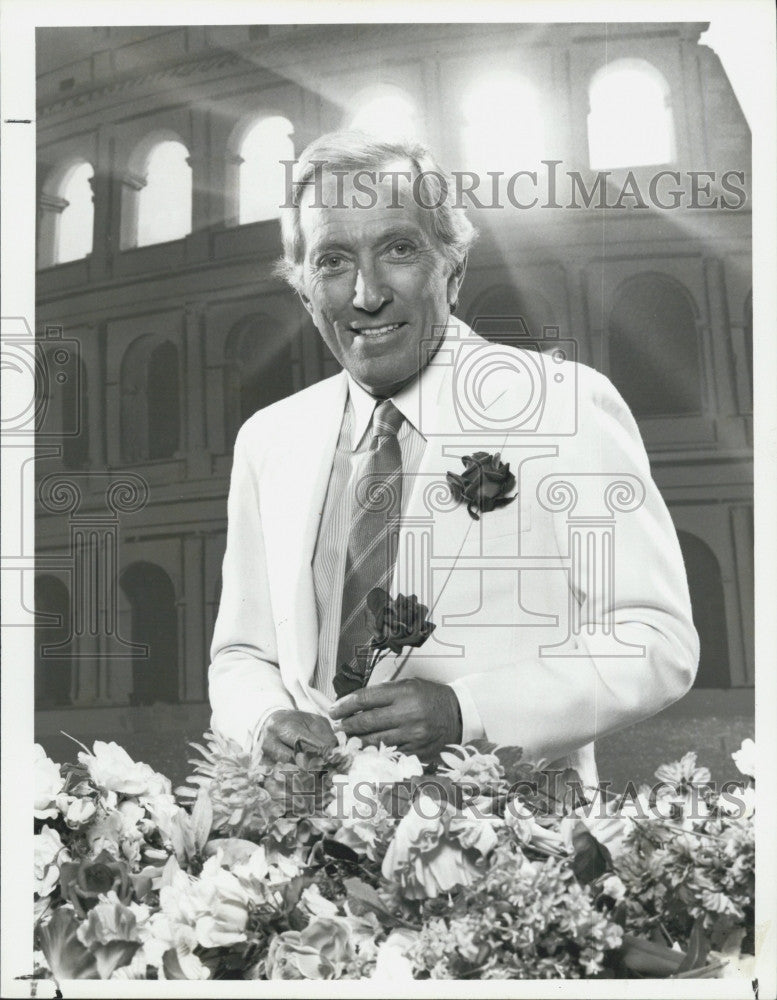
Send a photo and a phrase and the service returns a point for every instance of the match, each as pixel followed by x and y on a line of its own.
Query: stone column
pixel 193 654
pixel 50 207
pixel 128 185
pixel 94 565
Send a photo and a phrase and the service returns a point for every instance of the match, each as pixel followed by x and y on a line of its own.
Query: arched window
pixel 150 404
pixel 630 122
pixel 258 369
pixel 387 112
pixel 150 593
pixel 53 672
pixel 164 203
pixel 66 213
pixel 709 611
pixel 503 123
pixel 505 314
pixel 262 176
pixel 76 223
pixel 654 347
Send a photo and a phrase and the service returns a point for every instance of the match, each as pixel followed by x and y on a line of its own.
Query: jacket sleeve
pixel 553 705
pixel 244 679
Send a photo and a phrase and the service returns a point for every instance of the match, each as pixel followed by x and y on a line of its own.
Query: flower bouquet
pixel 359 863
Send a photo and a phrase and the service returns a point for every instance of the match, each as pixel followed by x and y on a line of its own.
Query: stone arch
pixel 258 145
pixel 257 368
pixel 150 399
pixel 630 119
pixel 157 196
pixel 66 213
pixel 705 583
pixel 53 673
pixel 154 623
pixel 654 347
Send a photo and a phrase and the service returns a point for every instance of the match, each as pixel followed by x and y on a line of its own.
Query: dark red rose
pixel 83 882
pixel 484 484
pixel 396 622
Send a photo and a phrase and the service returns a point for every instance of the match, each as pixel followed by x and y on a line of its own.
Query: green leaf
pixel 591 859
pixel 113 956
pixel 172 966
pixel 649 959
pixel 202 820
pixel 66 957
pixel 334 849
pixel 293 890
pixel 698 948
pixel 361 892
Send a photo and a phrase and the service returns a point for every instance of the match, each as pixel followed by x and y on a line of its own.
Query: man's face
pixel 374 280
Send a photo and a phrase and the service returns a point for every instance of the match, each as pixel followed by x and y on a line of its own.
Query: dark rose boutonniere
pixel 484 483
pixel 394 623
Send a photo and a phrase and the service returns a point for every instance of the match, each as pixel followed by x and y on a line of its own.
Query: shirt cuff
pixel 471 723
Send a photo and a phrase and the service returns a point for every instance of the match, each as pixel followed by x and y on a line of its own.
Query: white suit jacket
pixel 564 615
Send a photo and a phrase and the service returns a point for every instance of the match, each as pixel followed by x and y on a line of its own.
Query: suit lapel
pixel 294 490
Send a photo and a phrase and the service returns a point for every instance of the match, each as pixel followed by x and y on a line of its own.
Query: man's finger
pixel 277 751
pixel 389 738
pixel 369 697
pixel 375 721
pixel 320 731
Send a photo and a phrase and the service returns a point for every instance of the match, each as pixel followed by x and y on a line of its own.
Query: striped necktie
pixel 372 541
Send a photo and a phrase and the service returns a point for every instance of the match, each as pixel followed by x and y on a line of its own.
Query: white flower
pixel 112 768
pixel 520 820
pixel 259 876
pixel 169 934
pixel 76 811
pixel 49 853
pixel 474 832
pixel 468 767
pixel 211 910
pixel 316 904
pixel 681 774
pixel 614 888
pixel 225 923
pixel 370 768
pixel 391 964
pixel 739 802
pixel 48 783
pixel 162 809
pixel 744 758
pixel 422 858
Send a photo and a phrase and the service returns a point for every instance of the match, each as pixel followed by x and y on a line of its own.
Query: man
pixel 547 634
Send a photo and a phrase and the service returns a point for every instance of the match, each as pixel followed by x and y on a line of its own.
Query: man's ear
pixel 454 282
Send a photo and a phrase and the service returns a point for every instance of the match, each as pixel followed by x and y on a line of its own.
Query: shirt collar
pixel 407 400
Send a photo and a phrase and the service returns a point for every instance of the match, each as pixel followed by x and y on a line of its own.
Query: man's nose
pixel 370 293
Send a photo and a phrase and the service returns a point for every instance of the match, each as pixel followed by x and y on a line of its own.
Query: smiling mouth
pixel 376 331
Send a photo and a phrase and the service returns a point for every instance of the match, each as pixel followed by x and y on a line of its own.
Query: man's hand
pixel 416 716
pixel 286 731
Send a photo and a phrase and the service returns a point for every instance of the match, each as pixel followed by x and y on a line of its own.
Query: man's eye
pixel 401 249
pixel 331 262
